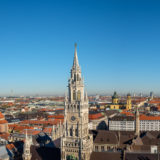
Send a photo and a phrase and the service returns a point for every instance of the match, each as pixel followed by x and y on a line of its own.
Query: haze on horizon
pixel 118 46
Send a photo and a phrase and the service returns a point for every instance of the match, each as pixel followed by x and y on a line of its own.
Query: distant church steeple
pixel 129 102
pixel 137 127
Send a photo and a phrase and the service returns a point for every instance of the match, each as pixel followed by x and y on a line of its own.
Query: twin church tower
pixel 76 142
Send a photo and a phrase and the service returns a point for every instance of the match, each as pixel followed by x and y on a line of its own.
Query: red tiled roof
pixel 50 122
pixel 152 118
pixel 95 116
pixel 60 116
pixel 1 115
pixel 50 110
pixel 158 107
pixel 127 113
pixel 4 135
pixel 154 102
pixel 3 121
pixel 10 146
pixel 31 132
pixel 57 109
pixel 47 130
pixel 17 127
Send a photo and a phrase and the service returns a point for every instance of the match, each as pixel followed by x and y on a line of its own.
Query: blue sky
pixel 118 45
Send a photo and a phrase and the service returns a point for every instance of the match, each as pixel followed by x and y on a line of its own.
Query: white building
pixel 127 123
pixel 122 123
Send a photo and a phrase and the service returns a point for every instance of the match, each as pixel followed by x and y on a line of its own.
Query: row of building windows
pixel 103 148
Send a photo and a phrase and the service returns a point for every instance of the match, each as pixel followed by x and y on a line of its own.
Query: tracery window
pixel 79 95
pixel 71 132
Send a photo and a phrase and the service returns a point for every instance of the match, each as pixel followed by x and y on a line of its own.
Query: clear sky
pixel 118 45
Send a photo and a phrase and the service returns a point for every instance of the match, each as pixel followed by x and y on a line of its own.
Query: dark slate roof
pixel 106 137
pixel 112 137
pixel 150 138
pixel 122 118
pixel 111 112
pixel 105 156
pixel 119 156
pixel 45 153
pixel 141 156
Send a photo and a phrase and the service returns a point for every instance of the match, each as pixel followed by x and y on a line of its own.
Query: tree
pixel 71 157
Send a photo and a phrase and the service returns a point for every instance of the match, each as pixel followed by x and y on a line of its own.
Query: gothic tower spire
pixel 76 143
pixel 26 150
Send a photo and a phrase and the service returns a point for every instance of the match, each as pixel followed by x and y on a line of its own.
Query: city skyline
pixel 117 46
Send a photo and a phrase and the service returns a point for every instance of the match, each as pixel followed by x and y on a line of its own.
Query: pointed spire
pixel 137 111
pixel 66 96
pixel 75 62
pixel 137 127
pixel 86 96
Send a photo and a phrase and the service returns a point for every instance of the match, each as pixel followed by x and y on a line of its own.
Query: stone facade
pixel 76 142
pixel 57 131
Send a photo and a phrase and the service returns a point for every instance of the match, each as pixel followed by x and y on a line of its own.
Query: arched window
pixel 71 132
pixel 76 134
pixel 74 95
pixel 74 77
pixel 78 78
pixel 79 95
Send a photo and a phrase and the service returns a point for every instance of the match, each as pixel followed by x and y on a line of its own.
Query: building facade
pixel 3 124
pixel 138 123
pixel 76 142
pixel 122 123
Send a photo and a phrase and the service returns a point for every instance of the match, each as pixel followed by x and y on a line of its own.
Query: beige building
pixel 76 142
pixel 3 124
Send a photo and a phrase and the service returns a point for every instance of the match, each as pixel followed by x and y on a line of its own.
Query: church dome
pixel 128 94
pixel 115 95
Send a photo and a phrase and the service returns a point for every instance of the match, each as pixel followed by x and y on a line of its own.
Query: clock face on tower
pixel 73 118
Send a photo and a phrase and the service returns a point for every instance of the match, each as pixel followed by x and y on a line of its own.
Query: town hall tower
pixel 76 142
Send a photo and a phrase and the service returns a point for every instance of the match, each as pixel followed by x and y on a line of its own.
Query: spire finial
pixel 75 62
pixel 86 96
pixel 75 45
